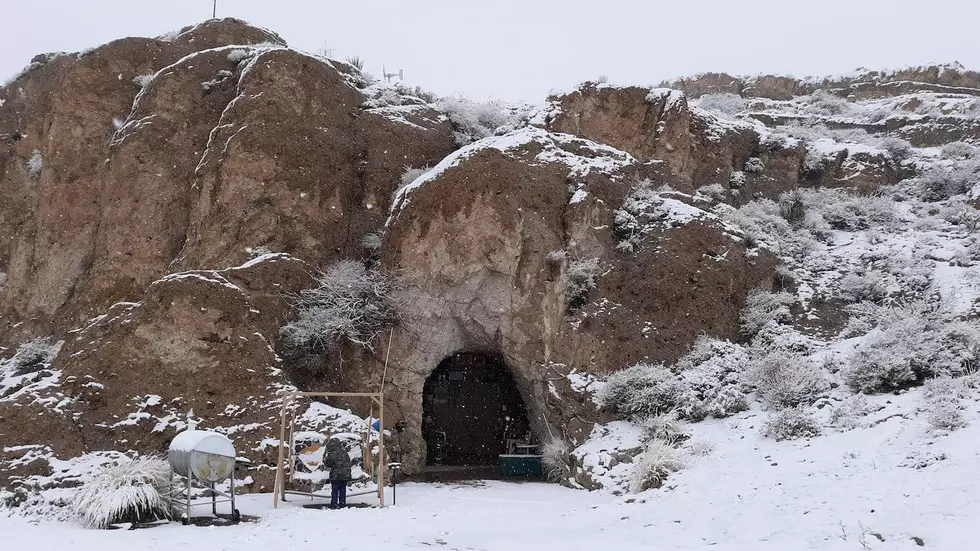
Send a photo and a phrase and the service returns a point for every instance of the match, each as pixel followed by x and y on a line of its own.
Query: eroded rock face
pixel 155 156
pixel 695 148
pixel 862 84
pixel 197 348
pixel 689 149
pixel 131 177
pixel 487 263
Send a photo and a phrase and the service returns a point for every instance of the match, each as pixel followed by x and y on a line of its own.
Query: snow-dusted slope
pixel 877 487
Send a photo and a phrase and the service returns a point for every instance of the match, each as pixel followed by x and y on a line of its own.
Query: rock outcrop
pixel 226 147
pixel 143 185
pixel 495 265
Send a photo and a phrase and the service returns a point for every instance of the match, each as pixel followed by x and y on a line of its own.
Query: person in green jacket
pixel 338 461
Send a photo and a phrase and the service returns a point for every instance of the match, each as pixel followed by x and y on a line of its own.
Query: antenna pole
pixel 214 10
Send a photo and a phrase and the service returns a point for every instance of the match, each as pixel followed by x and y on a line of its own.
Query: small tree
pixel 350 302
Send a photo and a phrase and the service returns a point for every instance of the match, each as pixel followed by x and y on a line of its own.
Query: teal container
pixel 524 466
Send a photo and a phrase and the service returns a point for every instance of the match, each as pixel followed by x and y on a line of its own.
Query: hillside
pixel 741 298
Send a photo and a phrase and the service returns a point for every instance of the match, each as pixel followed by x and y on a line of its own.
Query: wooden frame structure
pixel 279 490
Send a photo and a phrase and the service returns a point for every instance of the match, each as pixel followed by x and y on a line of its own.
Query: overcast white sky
pixel 521 49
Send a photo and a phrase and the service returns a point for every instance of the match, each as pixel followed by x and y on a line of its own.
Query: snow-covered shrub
pixel 698 447
pixel 729 104
pixel 911 342
pixel 256 252
pixel 763 307
pixel 729 401
pixel 754 164
pixel 371 243
pixel 11 499
pixel 473 120
pixel 666 426
pixel 958 212
pixel 236 56
pixel 34 355
pixel 825 103
pixel 641 391
pixel 958 151
pixel 736 180
pixel 581 279
pixel 787 380
pixel 35 164
pixel 848 415
pixel 861 287
pixel 940 182
pixel 350 302
pixel 409 175
pixel 843 211
pixel 142 81
pixel 897 148
pixel 942 403
pixel 652 466
pixel 355 61
pixel 790 424
pixel 136 491
pixel 762 223
pixel 716 192
pixel 711 379
pixel 557 460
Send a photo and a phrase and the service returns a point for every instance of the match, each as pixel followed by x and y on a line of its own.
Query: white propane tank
pixel 201 454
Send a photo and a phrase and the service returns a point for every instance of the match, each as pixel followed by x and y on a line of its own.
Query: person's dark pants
pixel 338 493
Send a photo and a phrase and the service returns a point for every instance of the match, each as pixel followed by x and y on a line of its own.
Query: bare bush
pixel 136 491
pixel 763 307
pixel 729 104
pixel 664 425
pixel 942 403
pixel 35 164
pixel 581 279
pixel 897 148
pixel 791 424
pixel 827 104
pixel 557 460
pixel 942 182
pixel 910 343
pixel 473 120
pixel 34 355
pixel 753 165
pixel 349 302
pixel 848 415
pixel 860 287
pixel 641 391
pixel 355 61
pixel 787 380
pixel 658 459
pixel 958 151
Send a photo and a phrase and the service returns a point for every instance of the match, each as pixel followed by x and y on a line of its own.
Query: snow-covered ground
pixel 874 487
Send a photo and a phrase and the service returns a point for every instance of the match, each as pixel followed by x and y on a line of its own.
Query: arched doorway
pixel 471 406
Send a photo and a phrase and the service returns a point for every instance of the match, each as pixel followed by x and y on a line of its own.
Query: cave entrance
pixel 471 408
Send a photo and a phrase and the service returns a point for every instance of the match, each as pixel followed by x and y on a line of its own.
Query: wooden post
pixel 290 455
pixel 381 449
pixel 279 486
